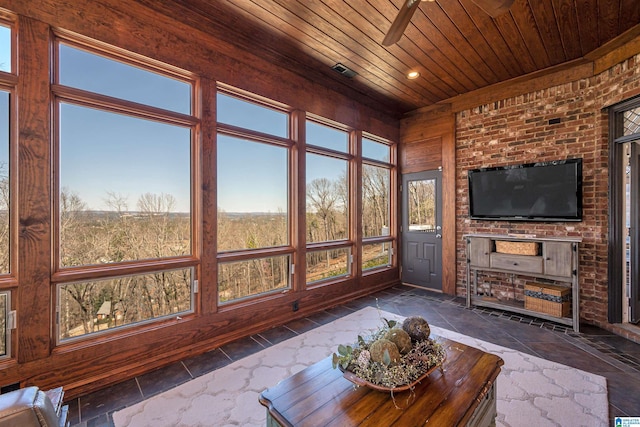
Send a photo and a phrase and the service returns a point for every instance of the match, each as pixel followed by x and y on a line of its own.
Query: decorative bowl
pixel 352 377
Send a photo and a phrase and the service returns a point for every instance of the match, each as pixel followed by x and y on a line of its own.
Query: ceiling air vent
pixel 342 69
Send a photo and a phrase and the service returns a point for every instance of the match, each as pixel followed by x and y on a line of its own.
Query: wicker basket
pixel 549 299
pixel 516 248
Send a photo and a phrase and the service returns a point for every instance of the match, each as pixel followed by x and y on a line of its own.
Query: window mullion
pixel 108 103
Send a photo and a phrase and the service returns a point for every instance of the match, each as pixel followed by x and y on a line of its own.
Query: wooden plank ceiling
pixel 454 45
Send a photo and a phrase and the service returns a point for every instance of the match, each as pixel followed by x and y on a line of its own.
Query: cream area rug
pixel 530 391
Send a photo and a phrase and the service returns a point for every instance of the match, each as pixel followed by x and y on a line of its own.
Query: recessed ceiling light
pixel 411 75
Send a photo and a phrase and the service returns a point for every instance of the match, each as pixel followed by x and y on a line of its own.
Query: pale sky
pixel 103 152
pixel 5 65
pixel 5 49
pixel 4 133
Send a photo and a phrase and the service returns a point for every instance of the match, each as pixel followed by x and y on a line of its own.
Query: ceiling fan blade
pixel 494 8
pixel 400 23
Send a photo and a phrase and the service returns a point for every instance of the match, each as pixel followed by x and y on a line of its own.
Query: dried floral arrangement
pixel 394 357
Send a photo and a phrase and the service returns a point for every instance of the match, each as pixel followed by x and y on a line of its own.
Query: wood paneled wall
pixel 428 143
pixel 127 24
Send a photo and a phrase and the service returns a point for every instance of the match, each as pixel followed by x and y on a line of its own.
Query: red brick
pixel 517 130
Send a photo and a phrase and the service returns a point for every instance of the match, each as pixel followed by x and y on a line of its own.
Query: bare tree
pixel 421 203
pixel 322 200
pixel 117 202
pixel 91 237
pixel 154 204
pixel 375 200
pixel 4 218
pixel 74 247
pixel 3 324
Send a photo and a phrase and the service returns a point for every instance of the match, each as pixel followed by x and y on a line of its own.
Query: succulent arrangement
pixel 395 355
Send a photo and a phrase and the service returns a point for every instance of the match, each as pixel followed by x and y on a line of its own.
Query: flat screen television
pixel 546 191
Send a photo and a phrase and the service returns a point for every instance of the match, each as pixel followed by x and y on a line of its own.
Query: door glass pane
pixel 631 122
pixel 106 76
pixel 125 188
pixel 238 112
pixel 243 279
pixel 632 241
pixel 627 218
pixel 5 49
pixel 4 182
pixel 252 194
pixel 327 199
pixel 421 204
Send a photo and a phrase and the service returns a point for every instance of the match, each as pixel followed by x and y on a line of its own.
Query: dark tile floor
pixel 593 350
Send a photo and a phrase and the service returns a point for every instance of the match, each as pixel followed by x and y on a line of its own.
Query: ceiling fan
pixel 493 8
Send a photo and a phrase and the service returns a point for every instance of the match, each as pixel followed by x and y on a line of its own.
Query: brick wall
pixel 517 130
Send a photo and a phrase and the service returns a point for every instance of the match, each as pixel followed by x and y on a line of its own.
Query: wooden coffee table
pixel 462 393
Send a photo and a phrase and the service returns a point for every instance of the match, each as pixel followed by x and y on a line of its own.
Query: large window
pixel 124 189
pixel 7 184
pixel 253 193
pixel 375 200
pixel 327 183
pixel 376 203
pixel 6 94
pixel 328 160
pixel 4 183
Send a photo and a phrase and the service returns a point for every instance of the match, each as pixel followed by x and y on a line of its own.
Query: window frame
pixel 9 20
pixel 349 172
pixel 257 297
pixel 140 324
pixel 349 242
pixel 391 238
pixel 331 279
pixel 9 322
pixel 258 138
pixel 391 255
pixel 255 101
pixel 78 97
pixel 240 255
pixel 8 83
pixel 8 280
pixel 9 276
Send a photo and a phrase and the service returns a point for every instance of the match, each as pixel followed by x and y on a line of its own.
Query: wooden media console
pixel 552 259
